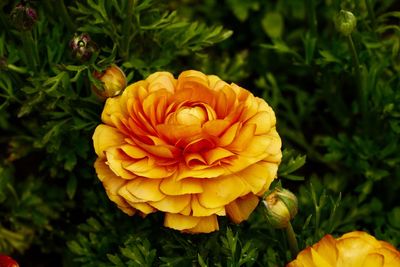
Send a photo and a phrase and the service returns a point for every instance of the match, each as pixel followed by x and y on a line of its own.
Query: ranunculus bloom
pixel 6 261
pixel 193 147
pixel 354 249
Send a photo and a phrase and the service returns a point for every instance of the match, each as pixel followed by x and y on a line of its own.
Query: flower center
pixel 191 115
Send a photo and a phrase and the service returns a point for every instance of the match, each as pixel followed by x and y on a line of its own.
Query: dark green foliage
pixel 343 118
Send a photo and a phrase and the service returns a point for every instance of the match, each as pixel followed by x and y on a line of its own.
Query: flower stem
pixel 29 50
pixel 371 13
pixel 357 67
pixel 312 18
pixel 127 30
pixel 291 238
pixel 65 16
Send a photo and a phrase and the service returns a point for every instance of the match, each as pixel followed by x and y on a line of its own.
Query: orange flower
pixel 193 147
pixel 354 249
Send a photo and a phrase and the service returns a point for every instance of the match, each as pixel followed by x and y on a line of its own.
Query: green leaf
pixel 71 186
pixel 291 163
pixel 273 24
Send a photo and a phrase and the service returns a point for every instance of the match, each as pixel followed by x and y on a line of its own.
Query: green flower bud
pixel 281 207
pixel 345 22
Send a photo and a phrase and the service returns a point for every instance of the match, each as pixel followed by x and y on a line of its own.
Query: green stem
pixel 356 64
pixel 317 220
pixel 17 69
pixel 371 13
pixel 126 29
pixel 65 16
pixel 291 238
pixel 29 50
pixel 312 18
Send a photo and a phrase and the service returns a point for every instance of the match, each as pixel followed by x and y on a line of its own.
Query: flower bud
pixel 23 17
pixel 82 46
pixel 345 22
pixel 281 207
pixel 114 81
pixel 6 261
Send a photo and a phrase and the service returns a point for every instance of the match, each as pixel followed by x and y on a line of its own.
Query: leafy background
pixel 340 129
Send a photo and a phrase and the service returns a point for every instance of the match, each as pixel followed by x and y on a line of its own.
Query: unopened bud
pixel 114 81
pixel 6 261
pixel 281 207
pixel 345 22
pixel 23 17
pixel 82 46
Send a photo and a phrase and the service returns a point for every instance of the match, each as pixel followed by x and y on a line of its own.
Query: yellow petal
pixel 263 121
pixel 326 247
pixel 133 151
pixel 219 192
pixel 225 101
pixel 391 254
pixel 295 263
pixel 146 168
pixel 192 78
pixel 200 211
pixel 229 135
pixel 243 138
pixel 175 132
pixel 318 260
pixel 215 127
pixel 172 204
pixel 352 251
pixel 215 82
pixel 193 159
pixel 258 175
pixel 191 224
pixel 112 184
pixel 373 260
pixel 216 154
pixel 161 81
pixel 146 189
pixel 180 222
pixel 143 207
pixel 305 258
pixel 171 186
pixel 184 172
pixel 112 106
pixel 241 208
pixel 115 161
pixel 205 225
pixel 105 137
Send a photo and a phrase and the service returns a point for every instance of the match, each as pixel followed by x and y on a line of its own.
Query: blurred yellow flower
pixel 354 249
pixel 193 147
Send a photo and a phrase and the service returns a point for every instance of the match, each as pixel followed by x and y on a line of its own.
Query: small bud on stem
pixel 281 207
pixel 82 46
pixel 345 22
pixel 23 17
pixel 114 81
